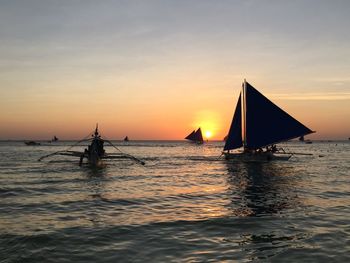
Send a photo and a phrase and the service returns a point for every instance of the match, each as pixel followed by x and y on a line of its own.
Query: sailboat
pixel 257 124
pixel 195 136
pixel 126 139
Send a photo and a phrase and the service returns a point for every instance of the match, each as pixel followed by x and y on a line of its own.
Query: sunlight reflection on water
pixel 186 204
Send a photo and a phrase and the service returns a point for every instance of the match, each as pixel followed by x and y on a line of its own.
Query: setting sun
pixel 208 134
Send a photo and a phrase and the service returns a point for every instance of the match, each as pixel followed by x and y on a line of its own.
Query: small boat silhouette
pixel 195 136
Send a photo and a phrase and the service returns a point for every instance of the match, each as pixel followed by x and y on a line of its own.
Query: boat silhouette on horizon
pixel 32 143
pixel 195 136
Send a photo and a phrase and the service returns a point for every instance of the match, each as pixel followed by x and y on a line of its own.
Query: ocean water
pixel 185 205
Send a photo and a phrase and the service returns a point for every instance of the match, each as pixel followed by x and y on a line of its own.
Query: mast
pixel 244 110
pixel 96 130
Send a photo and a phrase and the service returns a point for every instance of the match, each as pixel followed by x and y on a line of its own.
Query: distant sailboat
pixel 258 123
pixel 195 136
pixel 126 139
pixel 54 139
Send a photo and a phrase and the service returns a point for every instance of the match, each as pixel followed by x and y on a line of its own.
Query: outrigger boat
pixel 95 153
pixel 195 136
pixel 257 126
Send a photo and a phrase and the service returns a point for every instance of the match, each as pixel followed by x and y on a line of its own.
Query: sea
pixel 186 204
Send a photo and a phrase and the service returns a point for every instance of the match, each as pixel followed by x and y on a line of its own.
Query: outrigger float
pixel 257 126
pixel 95 154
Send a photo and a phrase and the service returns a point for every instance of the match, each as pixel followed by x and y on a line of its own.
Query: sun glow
pixel 208 134
pixel 210 123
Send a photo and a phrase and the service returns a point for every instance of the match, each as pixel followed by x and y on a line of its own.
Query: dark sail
pixel 234 137
pixel 198 137
pixel 266 123
pixel 191 136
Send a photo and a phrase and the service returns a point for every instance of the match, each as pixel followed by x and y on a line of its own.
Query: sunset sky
pixel 160 69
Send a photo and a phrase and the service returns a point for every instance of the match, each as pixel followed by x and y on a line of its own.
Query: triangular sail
pixel 234 137
pixel 190 136
pixel 198 137
pixel 195 136
pixel 266 123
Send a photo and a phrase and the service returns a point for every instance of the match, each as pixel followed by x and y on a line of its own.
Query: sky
pixel 160 69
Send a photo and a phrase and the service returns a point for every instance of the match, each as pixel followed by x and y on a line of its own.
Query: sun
pixel 208 134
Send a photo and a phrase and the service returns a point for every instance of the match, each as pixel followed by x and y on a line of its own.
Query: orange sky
pixel 160 70
pixel 167 114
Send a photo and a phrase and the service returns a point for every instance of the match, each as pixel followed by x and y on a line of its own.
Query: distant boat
pixel 54 139
pixel 126 139
pixel 195 136
pixel 258 123
pixel 302 139
pixel 32 143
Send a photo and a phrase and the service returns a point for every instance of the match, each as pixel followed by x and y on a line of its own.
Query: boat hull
pixel 256 157
pixel 32 143
pixel 96 161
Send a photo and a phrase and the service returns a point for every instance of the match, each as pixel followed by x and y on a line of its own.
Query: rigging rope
pixel 70 147
pixel 126 154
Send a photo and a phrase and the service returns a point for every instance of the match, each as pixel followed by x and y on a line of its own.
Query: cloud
pixel 312 96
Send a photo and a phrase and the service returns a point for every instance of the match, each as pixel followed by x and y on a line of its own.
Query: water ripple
pixel 184 205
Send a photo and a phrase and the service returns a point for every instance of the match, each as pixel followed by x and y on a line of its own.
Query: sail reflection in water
pixel 260 189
